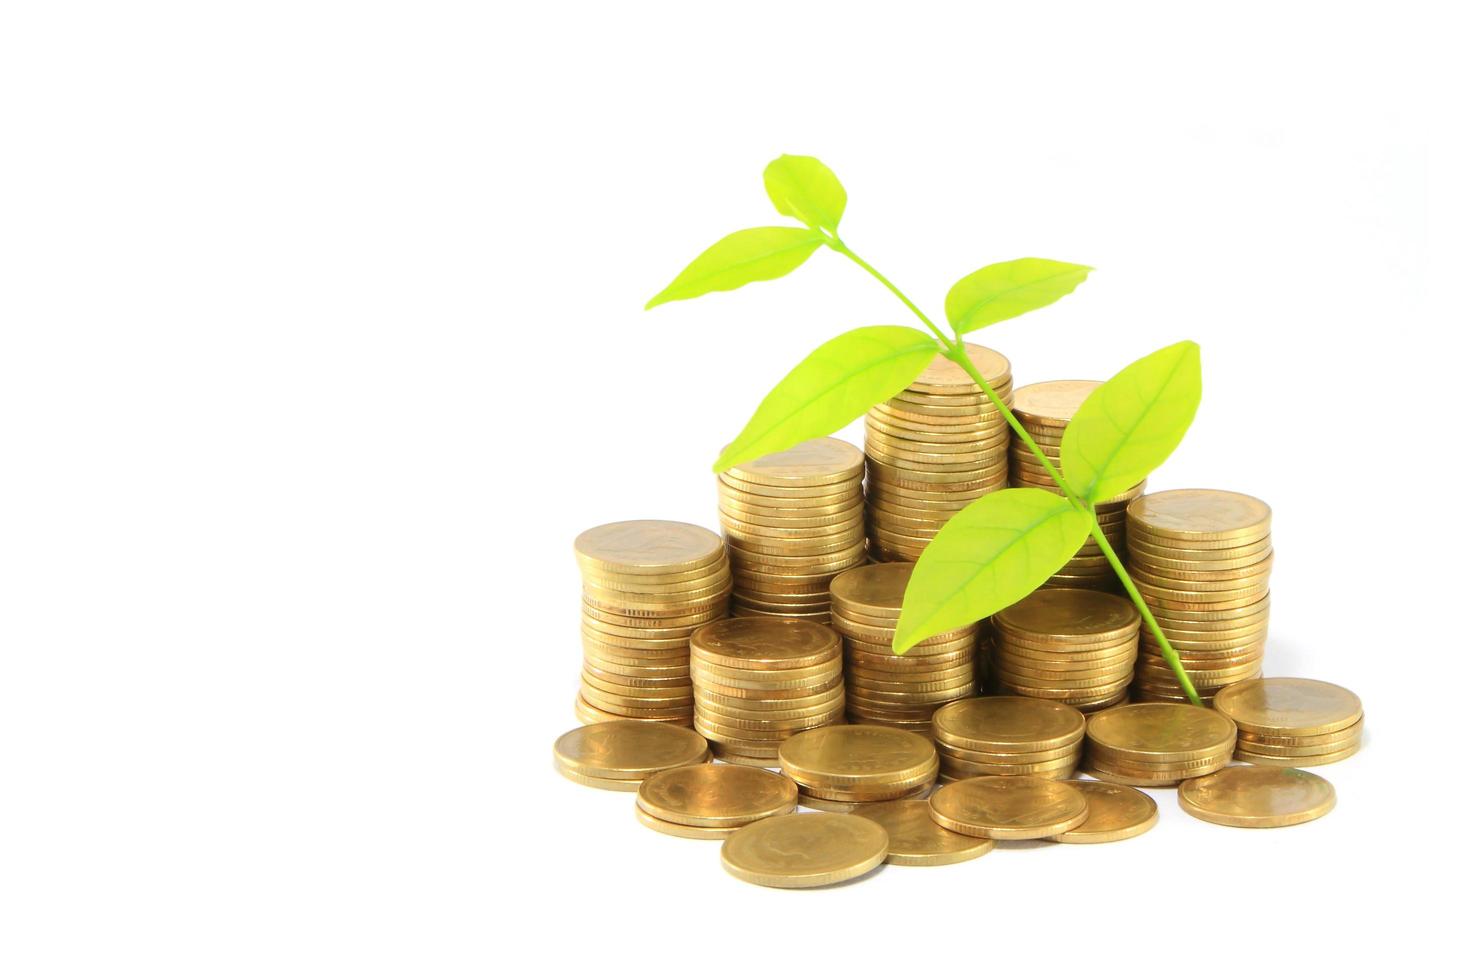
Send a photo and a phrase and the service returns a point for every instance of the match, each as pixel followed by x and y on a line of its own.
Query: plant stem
pixel 956 351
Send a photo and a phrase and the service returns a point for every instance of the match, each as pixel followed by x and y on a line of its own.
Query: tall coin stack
pixel 758 680
pixel 646 586
pixel 1044 409
pixel 1068 645
pixel 792 521
pixel 1201 559
pixel 931 450
pixel 900 690
pixel 1008 736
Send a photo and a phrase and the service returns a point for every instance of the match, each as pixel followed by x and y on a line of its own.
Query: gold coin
pixel 1160 733
pixel 945 374
pixel 685 830
pixel 840 498
pixel 834 561
pixel 850 756
pixel 770 495
pixel 775 514
pixel 918 841
pixel 1289 706
pixel 873 589
pixel 763 642
pixel 1001 724
pixel 1201 515
pixel 1256 796
pixel 1114 813
pixel 1051 403
pixel 1295 752
pixel 728 757
pixel 597 782
pixel 1008 807
pixel 627 749
pixel 869 794
pixel 768 703
pixel 805 850
pixel 655 582
pixel 1265 759
pixel 647 546
pixel 962 769
pixel 716 795
pixel 651 620
pixel 855 806
pixel 812 462
pixel 1278 741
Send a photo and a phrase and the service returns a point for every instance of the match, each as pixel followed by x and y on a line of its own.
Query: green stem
pixel 956 352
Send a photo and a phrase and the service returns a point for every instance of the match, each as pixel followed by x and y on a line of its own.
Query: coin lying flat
pixel 918 841
pixel 1288 706
pixel 1008 724
pixel 805 850
pixel 850 756
pixel 1257 796
pixel 1008 807
pixel 647 546
pixel 627 749
pixel 716 795
pixel 1114 813
pixel 690 831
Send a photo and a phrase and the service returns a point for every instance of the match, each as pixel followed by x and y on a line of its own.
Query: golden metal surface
pixel 1160 733
pixel 683 830
pixel 647 546
pixel 765 642
pixel 1008 807
pixel 805 850
pixel 627 749
pixel 716 795
pixel 1289 706
pixel 850 756
pixel 1050 403
pixel 817 461
pixel 918 841
pixel 1257 796
pixel 1114 813
pixel 1219 517
pixel 1002 724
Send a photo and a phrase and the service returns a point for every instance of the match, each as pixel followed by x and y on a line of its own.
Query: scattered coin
pixel 1114 813
pixel 805 850
pixel 1008 807
pixel 918 841
pixel 1257 796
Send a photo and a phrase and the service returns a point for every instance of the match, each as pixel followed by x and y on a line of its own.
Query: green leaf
pixel 1007 289
pixel 751 255
pixel 830 388
pixel 1132 423
pixel 805 189
pixel 991 554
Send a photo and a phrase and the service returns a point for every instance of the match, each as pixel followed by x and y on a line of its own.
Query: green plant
pixel 1001 547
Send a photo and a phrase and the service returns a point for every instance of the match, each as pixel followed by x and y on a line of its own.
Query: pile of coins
pixel 757 680
pixel 710 802
pixel 1291 721
pixel 933 449
pixel 792 521
pixel 1068 645
pixel 1201 559
pixel 646 586
pixel 620 755
pixel 882 687
pixel 1044 409
pixel 1008 736
pixel 1157 744
pixel 845 766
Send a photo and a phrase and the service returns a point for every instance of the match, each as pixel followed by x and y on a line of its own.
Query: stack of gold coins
pixel 758 680
pixel 710 802
pixel 1201 559
pixel 646 586
pixel 1291 721
pixel 1008 736
pixel 621 754
pixel 1157 744
pixel 931 450
pixel 792 520
pixel 1068 645
pixel 1044 409
pixel 844 766
pixel 900 690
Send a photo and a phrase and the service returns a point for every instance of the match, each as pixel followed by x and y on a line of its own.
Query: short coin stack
pixel 792 521
pixel 901 690
pixel 1044 409
pixel 758 680
pixel 646 585
pixel 1291 721
pixel 1068 645
pixel 1157 744
pixel 710 802
pixel 844 766
pixel 1201 559
pixel 1008 736
pixel 931 450
pixel 621 754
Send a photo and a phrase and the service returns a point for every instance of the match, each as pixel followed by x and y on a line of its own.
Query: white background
pixel 323 337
